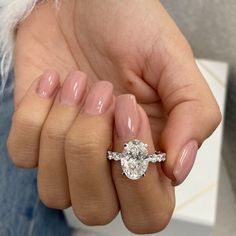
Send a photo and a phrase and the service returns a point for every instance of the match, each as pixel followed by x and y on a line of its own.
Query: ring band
pixel 135 158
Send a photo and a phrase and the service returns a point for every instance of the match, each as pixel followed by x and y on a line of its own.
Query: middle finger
pixel 92 191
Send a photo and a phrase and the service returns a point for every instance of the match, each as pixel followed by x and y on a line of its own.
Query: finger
pixel 52 174
pixel 28 119
pixel 193 113
pixel 92 192
pixel 147 203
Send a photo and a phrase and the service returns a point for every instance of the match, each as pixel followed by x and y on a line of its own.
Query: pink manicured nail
pixel 99 98
pixel 185 161
pixel 48 84
pixel 126 116
pixel 73 88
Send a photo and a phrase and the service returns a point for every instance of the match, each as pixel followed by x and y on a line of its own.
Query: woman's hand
pixel 66 133
pixel 136 46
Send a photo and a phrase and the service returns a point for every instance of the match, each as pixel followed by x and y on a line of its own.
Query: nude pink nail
pixel 99 98
pixel 185 161
pixel 126 116
pixel 73 88
pixel 48 84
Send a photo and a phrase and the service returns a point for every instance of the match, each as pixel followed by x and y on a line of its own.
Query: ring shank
pixel 156 157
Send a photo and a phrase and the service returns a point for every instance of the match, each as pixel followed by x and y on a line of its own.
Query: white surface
pixel 196 199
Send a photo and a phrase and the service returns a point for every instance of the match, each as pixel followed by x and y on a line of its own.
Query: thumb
pixel 193 115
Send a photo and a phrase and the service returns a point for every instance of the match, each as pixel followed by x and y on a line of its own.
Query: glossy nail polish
pixel 185 161
pixel 73 88
pixel 99 98
pixel 126 116
pixel 48 84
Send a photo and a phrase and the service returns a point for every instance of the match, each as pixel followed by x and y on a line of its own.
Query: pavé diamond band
pixel 135 158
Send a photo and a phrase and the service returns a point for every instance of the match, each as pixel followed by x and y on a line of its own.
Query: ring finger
pixel 147 203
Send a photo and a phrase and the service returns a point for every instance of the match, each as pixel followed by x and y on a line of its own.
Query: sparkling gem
pixel 134 163
pixel 114 155
pixel 157 157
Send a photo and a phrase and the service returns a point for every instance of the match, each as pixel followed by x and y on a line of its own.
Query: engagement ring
pixel 135 158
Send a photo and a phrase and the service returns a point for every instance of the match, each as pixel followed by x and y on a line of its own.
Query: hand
pixel 140 50
pixel 75 129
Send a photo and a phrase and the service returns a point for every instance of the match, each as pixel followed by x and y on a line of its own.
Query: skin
pixel 138 48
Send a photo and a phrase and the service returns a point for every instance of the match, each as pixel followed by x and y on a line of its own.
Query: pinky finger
pixel 28 120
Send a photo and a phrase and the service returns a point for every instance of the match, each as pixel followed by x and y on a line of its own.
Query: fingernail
pixel 185 162
pixel 48 84
pixel 99 98
pixel 126 116
pixel 73 88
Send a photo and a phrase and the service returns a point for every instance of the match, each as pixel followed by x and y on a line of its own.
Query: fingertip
pixel 73 89
pixel 126 117
pixel 43 88
pixel 48 84
pixel 180 163
pixel 99 98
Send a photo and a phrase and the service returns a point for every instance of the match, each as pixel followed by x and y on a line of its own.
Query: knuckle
pixel 20 157
pixel 151 224
pixel 147 227
pixel 54 200
pixel 25 123
pixel 213 116
pixel 179 49
pixel 22 162
pixel 85 145
pixel 217 117
pixel 185 49
pixel 53 133
pixel 22 143
pixel 88 214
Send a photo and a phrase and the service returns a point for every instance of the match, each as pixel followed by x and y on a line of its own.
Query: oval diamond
pixel 134 163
